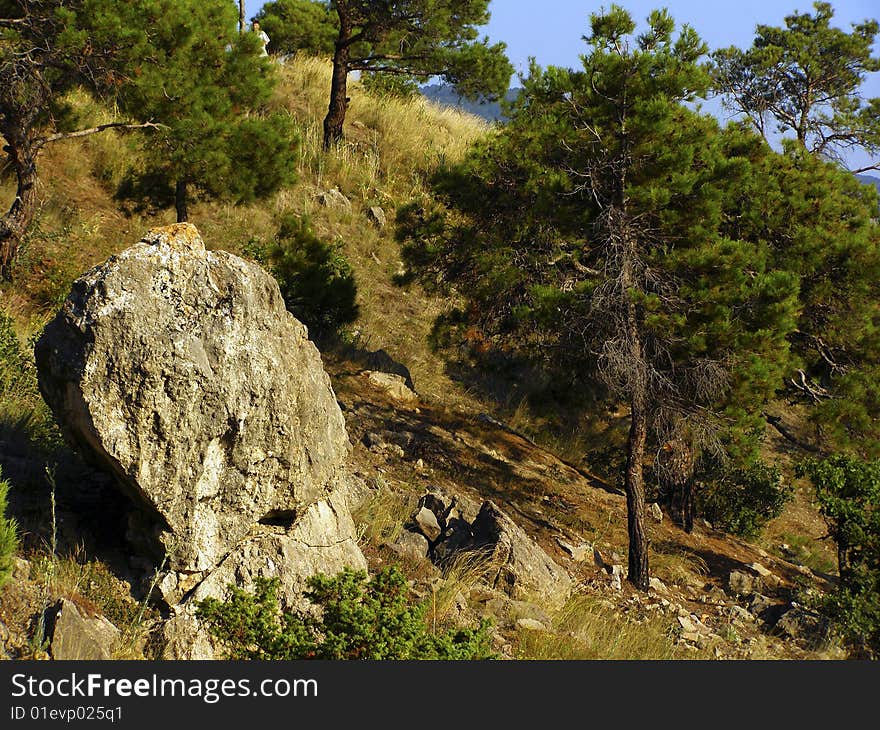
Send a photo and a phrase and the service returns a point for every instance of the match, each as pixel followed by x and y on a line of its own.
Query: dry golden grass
pixel 587 628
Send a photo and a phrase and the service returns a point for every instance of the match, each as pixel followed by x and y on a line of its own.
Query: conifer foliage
pixel 216 137
pixel 590 231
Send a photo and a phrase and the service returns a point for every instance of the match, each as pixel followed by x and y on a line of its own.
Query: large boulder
pixel 180 371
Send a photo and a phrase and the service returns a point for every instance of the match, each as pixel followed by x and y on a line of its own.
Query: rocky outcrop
pixel 515 564
pixel 180 371
pixel 75 635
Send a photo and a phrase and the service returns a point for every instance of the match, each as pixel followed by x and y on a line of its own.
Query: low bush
pixel 357 618
pixel 8 535
pixel 316 280
pixel 848 492
pixel 743 500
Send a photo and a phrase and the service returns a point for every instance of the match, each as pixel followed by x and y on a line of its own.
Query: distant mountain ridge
pixel 870 180
pixel 446 95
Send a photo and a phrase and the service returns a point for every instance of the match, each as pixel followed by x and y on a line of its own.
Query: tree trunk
pixel 634 486
pixel 22 154
pixel 241 16
pixel 339 85
pixel 180 200
pixel 634 482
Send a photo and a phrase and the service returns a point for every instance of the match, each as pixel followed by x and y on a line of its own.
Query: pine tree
pixel 215 136
pixel 587 234
pixel 806 78
pixel 48 47
pixel 415 38
pixel 299 25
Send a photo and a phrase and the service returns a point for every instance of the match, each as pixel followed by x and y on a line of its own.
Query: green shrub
pixel 848 491
pixel 8 535
pixel 316 280
pixel 14 367
pixel 358 618
pixel 743 500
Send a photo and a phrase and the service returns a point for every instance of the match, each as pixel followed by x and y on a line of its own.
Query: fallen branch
pixel 776 422
pixel 93 130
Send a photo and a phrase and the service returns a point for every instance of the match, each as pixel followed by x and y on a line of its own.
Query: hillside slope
pixel 458 439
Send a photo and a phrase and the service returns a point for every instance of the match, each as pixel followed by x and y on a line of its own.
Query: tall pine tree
pixel 588 233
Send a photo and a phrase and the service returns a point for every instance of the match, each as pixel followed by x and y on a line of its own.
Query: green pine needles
pixel 8 535
pixel 358 618
pixel 848 491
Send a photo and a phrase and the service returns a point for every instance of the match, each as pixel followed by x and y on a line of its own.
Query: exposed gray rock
pixel 394 385
pixel 180 371
pixel 743 584
pixel 382 362
pixel 334 199
pixel 410 545
pixel 377 215
pixel 323 540
pixel 426 521
pixel 655 512
pixel 530 624
pixel 520 568
pixel 578 553
pixel 799 623
pixel 78 636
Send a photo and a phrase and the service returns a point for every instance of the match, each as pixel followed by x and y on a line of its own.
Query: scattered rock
pixel 77 636
pixel 743 584
pixel 520 568
pixel 394 385
pixel 373 441
pixel 738 613
pixel 382 362
pixel 426 521
pixel 578 553
pixel 657 585
pixel 760 570
pixel 334 199
pixel 799 623
pixel 410 545
pixel 180 371
pixel 655 512
pixel 530 624
pixel 377 216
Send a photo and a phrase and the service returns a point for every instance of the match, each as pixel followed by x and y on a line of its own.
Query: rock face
pixel 77 636
pixel 180 371
pixel 524 569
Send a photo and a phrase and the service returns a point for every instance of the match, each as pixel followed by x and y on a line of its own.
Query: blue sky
pixel 551 30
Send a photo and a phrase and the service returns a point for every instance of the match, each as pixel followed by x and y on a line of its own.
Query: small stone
pixel 394 385
pixel 578 553
pixel 742 583
pixel 530 624
pixel 655 512
pixel 411 545
pixel 760 570
pixel 78 636
pixel 334 199
pixel 738 613
pixel 657 585
pixel 377 215
pixel 373 441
